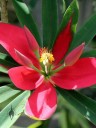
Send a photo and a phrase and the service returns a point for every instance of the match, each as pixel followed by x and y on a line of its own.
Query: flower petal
pixel 62 43
pixel 73 56
pixel 31 40
pixel 25 78
pixel 13 37
pixel 26 61
pixel 42 103
pixel 82 74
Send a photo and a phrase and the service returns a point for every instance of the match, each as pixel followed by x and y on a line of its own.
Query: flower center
pixel 46 57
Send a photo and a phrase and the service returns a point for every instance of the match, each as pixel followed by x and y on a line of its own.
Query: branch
pixel 4 11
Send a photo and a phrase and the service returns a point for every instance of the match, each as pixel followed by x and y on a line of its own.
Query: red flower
pixel 41 69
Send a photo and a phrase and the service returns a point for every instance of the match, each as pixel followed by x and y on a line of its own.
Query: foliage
pixel 12 100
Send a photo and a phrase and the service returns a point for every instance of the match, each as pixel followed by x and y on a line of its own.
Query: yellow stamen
pixel 46 57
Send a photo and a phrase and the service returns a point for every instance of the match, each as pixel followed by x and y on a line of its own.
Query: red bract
pixel 41 69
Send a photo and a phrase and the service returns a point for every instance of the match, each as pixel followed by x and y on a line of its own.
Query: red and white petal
pixel 73 56
pixel 13 37
pixel 25 78
pixel 42 103
pixel 31 40
pixel 62 43
pixel 82 74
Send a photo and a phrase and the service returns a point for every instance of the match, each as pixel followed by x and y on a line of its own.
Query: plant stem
pixel 4 11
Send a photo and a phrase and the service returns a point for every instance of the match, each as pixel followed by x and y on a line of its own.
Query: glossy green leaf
pixel 25 18
pixel 6 60
pixel 67 2
pixel 72 11
pixel 85 105
pixel 84 123
pixel 49 22
pixel 13 110
pixel 69 117
pixel 3 69
pixel 85 34
pixel 91 53
pixel 7 92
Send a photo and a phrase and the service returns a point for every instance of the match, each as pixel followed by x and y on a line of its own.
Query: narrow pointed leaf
pixel 3 69
pixel 71 12
pixel 7 92
pixel 85 105
pixel 67 2
pixel 85 34
pixel 49 19
pixel 68 26
pixel 91 53
pixel 5 79
pixel 13 110
pixel 63 119
pixel 35 125
pixel 25 18
pixel 32 3
pixel 6 60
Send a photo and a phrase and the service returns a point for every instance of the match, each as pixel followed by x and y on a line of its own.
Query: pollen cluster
pixel 46 56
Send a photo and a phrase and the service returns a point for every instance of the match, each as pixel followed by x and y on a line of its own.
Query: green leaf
pixel 84 123
pixel 32 3
pixel 25 18
pixel 91 53
pixel 72 11
pixel 72 116
pixel 62 120
pixel 6 60
pixel 35 125
pixel 85 34
pixel 13 110
pixel 85 105
pixel 67 2
pixel 49 21
pixel 5 79
pixel 7 92
pixel 3 69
